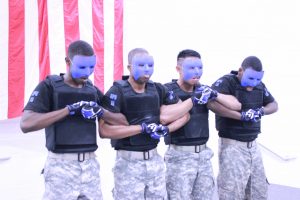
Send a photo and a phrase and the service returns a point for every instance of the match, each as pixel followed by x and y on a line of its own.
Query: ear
pixel 178 68
pixel 68 62
pixel 240 73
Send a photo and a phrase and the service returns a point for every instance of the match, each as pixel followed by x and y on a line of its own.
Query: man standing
pixel 67 106
pixel 139 171
pixel 188 159
pixel 241 172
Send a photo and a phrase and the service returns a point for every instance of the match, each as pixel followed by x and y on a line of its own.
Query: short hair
pixel 80 47
pixel 252 62
pixel 188 53
pixel 135 51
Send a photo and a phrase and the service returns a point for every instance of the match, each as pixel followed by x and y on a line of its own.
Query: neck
pixel 137 87
pixel 71 82
pixel 185 86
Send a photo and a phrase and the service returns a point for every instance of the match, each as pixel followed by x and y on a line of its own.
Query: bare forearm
pixel 114 118
pixel 179 123
pixel 32 121
pixel 229 101
pixel 170 113
pixel 271 108
pixel 223 111
pixel 117 131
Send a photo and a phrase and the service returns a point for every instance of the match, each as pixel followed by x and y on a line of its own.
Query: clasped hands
pixel 88 109
pixel 252 115
pixel 156 131
pixel 203 94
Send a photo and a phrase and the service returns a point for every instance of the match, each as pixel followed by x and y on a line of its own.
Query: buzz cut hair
pixel 188 53
pixel 134 52
pixel 80 47
pixel 185 54
pixel 252 62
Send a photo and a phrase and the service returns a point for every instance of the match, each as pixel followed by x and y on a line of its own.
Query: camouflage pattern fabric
pixel 189 175
pixel 241 173
pixel 139 179
pixel 72 180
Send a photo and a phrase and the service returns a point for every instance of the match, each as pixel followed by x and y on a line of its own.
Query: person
pixel 139 171
pixel 67 106
pixel 188 159
pixel 241 171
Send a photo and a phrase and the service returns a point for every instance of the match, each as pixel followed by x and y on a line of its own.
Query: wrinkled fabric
pixel 241 173
pixel 139 179
pixel 189 175
pixel 72 180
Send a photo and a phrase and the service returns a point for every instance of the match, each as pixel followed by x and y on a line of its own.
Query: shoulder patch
pixel 113 98
pixel 218 82
pixel 33 95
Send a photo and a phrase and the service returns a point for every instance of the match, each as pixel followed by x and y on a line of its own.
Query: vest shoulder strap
pixel 55 80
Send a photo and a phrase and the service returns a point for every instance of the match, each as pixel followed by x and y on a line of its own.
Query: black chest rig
pixel 196 130
pixel 72 134
pixel 138 108
pixel 236 129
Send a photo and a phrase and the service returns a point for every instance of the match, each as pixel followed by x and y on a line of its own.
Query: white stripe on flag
pixel 31 48
pixel 109 44
pixel 56 36
pixel 86 22
pixel 3 59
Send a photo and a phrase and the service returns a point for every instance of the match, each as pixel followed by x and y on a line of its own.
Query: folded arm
pixel 33 121
pixel 170 113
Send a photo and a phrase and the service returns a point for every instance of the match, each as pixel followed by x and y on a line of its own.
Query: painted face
pixel 82 66
pixel 192 68
pixel 142 65
pixel 251 78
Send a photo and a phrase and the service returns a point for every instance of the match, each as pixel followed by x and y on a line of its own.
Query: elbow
pixel 102 134
pixel 25 128
pixel 164 120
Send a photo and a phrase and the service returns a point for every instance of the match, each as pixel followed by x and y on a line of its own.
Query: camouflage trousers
pixel 189 175
pixel 72 180
pixel 241 171
pixel 138 178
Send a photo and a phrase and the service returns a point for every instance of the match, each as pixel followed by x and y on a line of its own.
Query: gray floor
pixel 22 157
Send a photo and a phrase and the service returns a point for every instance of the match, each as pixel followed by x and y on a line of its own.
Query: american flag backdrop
pixel 34 36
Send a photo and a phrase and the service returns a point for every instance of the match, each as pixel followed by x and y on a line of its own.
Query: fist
pixel 75 108
pixel 161 131
pixel 203 94
pixel 148 128
pixel 91 110
pixel 260 112
pixel 250 116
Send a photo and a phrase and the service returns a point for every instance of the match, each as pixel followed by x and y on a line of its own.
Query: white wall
pixel 225 32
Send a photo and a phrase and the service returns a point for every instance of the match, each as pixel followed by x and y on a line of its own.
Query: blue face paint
pixel 142 65
pixel 82 66
pixel 251 78
pixel 192 68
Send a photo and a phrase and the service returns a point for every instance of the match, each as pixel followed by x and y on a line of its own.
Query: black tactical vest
pixel 73 134
pixel 196 130
pixel 138 108
pixel 236 129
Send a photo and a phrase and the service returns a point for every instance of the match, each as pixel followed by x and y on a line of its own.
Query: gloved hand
pixel 148 128
pixel 260 112
pixel 161 131
pixel 203 94
pixel 91 110
pixel 213 94
pixel 75 108
pixel 250 116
